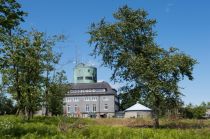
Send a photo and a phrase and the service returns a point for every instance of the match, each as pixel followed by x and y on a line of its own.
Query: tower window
pixel 80 78
pixel 88 78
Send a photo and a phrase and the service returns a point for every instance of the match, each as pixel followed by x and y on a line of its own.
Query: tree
pixel 6 105
pixel 129 97
pixel 11 16
pixel 128 48
pixel 58 88
pixel 23 62
pixel 195 112
pixel 50 60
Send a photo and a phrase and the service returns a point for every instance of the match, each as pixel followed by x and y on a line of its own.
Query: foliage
pixel 129 98
pixel 23 63
pixel 11 16
pixel 127 47
pixel 27 60
pixel 48 127
pixel 191 111
pixel 57 90
pixel 6 105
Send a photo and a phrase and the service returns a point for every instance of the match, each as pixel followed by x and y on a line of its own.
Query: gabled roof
pixel 138 107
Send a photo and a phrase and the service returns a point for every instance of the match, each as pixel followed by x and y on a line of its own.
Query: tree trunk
pixel 156 121
pixel 156 111
pixel 46 94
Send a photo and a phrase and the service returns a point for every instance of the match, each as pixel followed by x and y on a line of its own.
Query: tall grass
pixel 75 128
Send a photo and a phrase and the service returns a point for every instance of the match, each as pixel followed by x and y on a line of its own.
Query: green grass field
pixel 75 128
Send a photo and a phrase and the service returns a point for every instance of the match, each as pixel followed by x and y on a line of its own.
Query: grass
pixel 75 128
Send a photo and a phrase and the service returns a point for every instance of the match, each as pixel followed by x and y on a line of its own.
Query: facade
pixel 91 100
pixel 138 111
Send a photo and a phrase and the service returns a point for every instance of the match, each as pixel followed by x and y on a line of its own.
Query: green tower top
pixel 84 73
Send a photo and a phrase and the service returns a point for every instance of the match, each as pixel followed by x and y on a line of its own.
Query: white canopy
pixel 138 107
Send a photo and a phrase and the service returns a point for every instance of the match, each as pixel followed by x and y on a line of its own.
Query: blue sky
pixel 181 24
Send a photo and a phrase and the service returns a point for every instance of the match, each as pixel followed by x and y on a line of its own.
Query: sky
pixel 181 24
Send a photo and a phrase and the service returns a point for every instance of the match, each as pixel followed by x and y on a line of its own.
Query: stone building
pixel 89 98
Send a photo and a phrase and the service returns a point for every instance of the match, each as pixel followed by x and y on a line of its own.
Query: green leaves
pixel 25 59
pixel 127 46
pixel 10 15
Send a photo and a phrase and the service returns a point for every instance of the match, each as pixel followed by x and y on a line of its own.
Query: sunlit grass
pixel 73 128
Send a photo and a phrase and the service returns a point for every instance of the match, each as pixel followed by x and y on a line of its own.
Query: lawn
pixel 76 128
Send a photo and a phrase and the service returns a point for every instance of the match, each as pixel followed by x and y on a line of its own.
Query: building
pixel 207 112
pixel 138 111
pixel 89 98
pixel 85 74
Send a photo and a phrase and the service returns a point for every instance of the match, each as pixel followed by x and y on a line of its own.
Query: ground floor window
pixel 75 108
pixel 69 109
pixel 94 107
pixel 87 108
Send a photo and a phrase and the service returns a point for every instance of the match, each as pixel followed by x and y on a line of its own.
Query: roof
pixel 82 65
pixel 91 86
pixel 99 85
pixel 138 107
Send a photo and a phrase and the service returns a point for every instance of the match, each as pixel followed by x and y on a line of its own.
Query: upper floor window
pixel 94 98
pixel 68 99
pixel 105 99
pixel 86 99
pixel 75 99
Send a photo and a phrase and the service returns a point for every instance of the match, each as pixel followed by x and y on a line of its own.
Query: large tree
pixel 23 67
pixel 127 46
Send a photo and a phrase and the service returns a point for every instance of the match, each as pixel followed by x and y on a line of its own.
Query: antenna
pixel 76 54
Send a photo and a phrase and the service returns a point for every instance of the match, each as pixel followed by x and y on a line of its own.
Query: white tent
pixel 138 107
pixel 138 110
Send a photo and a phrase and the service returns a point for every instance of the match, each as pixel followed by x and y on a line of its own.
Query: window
pixel 68 99
pixel 105 99
pixel 75 99
pixel 94 98
pixel 94 107
pixel 80 78
pixel 87 108
pixel 75 108
pixel 86 98
pixel 69 109
pixel 88 78
pixel 105 106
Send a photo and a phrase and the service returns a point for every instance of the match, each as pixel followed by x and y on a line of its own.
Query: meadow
pixel 77 128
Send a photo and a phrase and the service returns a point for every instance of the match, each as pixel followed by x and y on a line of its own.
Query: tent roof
pixel 138 107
